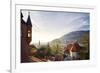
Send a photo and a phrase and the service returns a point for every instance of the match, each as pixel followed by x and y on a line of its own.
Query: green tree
pixel 85 42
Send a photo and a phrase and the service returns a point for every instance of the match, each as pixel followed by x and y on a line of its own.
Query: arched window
pixel 29 33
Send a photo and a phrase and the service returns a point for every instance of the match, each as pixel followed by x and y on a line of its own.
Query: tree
pixel 85 54
pixel 85 41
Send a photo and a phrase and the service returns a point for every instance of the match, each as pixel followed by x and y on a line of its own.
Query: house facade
pixel 72 51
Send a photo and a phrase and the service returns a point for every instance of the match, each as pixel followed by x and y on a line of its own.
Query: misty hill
pixel 72 36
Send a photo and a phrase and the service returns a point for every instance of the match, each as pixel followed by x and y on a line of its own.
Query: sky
pixel 50 25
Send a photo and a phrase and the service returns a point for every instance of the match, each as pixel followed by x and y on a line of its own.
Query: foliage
pixel 84 54
pixel 85 40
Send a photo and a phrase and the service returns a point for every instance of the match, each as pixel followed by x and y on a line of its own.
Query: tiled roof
pixel 74 47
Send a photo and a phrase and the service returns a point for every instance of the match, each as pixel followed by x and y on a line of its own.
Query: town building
pixel 73 51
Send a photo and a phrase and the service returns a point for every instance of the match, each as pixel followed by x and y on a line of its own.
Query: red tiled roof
pixel 73 47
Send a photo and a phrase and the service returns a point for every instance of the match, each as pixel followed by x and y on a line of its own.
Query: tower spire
pixel 29 19
pixel 29 13
pixel 21 15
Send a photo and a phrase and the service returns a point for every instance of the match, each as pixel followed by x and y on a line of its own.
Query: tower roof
pixel 29 20
pixel 21 15
pixel 22 21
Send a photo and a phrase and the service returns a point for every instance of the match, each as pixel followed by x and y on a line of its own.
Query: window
pixel 29 33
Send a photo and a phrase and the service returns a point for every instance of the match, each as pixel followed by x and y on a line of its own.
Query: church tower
pixel 29 29
pixel 26 37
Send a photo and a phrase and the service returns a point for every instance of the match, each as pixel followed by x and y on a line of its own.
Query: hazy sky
pixel 48 25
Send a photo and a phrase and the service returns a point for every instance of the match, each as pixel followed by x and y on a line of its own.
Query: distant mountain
pixel 72 36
